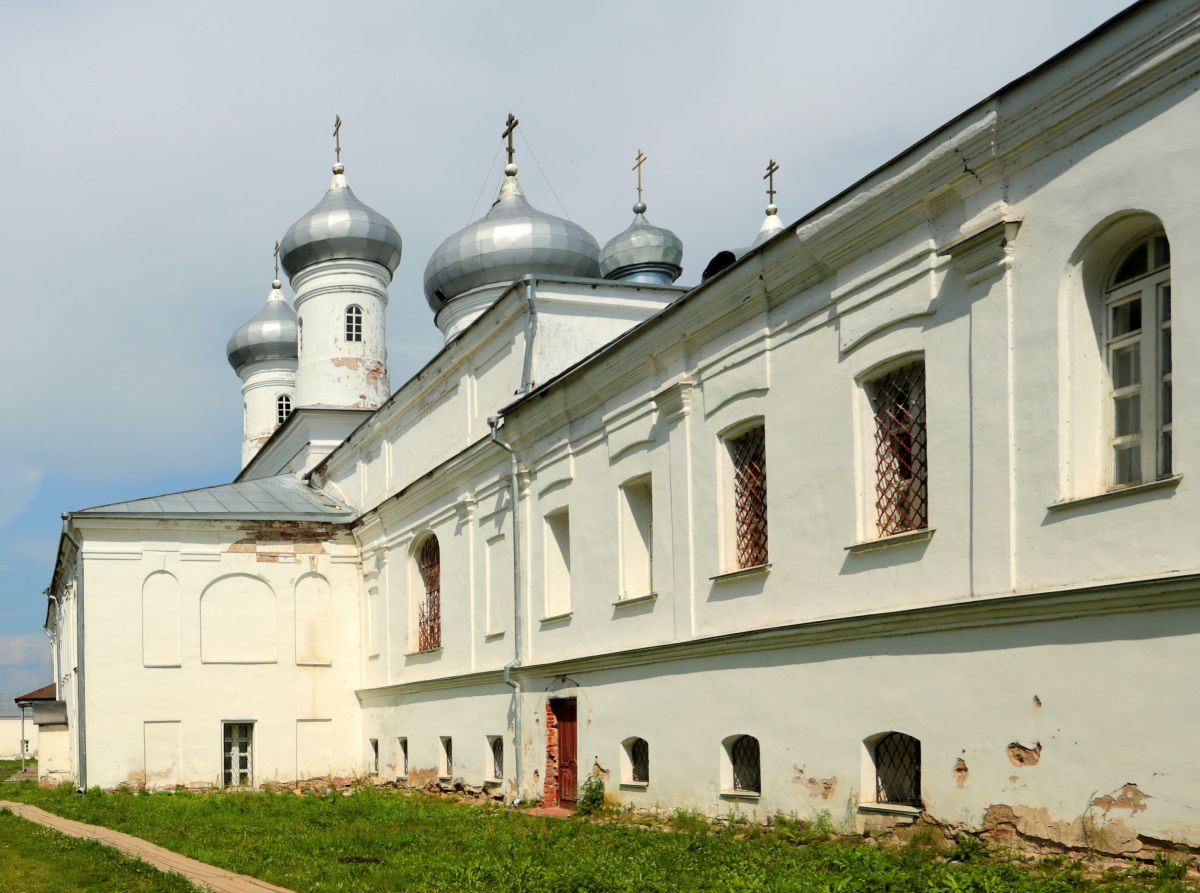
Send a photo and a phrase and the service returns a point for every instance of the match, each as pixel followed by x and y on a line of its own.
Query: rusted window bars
pixel 898 770
pixel 901 470
pixel 429 615
pixel 749 453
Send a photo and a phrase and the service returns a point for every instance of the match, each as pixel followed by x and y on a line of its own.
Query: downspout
pixel 496 422
pixel 530 335
pixel 78 670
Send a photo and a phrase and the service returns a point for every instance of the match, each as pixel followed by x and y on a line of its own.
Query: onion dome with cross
pixel 512 240
pixel 268 335
pixel 643 252
pixel 340 226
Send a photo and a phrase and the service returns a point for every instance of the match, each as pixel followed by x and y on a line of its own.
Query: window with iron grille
pixel 639 760
pixel 447 766
pixel 743 760
pixel 403 742
pixel 496 745
pixel 749 454
pixel 283 408
pixel 429 613
pixel 354 323
pixel 1137 339
pixel 237 741
pixel 897 760
pixel 901 466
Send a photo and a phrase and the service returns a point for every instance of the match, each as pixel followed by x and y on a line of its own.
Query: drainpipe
pixel 496 422
pixel 530 335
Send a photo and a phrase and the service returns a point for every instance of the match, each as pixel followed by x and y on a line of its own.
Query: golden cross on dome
pixel 337 137
pixel 276 259
pixel 637 166
pixel 769 176
pixel 510 126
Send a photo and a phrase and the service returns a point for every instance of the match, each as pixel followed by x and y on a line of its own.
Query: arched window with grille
pixel 897 761
pixel 429 612
pixel 636 765
pixel 354 323
pixel 283 408
pixel 1137 348
pixel 743 771
pixel 496 749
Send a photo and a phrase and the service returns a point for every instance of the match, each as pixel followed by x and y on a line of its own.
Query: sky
pixel 154 152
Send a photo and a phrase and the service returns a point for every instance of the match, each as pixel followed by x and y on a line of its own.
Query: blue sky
pixel 154 152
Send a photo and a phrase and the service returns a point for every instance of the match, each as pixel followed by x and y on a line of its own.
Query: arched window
pixel 897 760
pixel 637 761
pixel 429 613
pixel 283 408
pixel 1137 347
pixel 354 316
pixel 496 746
pixel 745 776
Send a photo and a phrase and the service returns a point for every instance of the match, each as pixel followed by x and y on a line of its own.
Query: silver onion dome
pixel 340 226
pixel 268 335
pixel 513 239
pixel 643 252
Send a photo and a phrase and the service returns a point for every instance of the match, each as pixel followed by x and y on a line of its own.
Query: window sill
pixel 493 782
pixel 635 785
pixel 636 599
pixel 557 618
pixel 740 795
pixel 1167 483
pixel 426 652
pixel 889 809
pixel 924 535
pixel 753 571
pixel 445 778
pixel 492 637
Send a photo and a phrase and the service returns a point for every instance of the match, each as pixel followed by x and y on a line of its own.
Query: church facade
pixel 885 516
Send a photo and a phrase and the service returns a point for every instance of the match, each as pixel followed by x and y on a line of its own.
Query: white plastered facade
pixel 1004 636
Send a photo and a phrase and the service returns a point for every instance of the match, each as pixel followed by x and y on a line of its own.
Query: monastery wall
pixel 189 628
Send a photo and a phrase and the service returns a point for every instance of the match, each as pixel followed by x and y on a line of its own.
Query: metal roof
pixel 279 498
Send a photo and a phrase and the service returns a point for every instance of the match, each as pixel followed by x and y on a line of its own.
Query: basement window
pixel 447 760
pixel 374 756
pixel 403 742
pixel 496 751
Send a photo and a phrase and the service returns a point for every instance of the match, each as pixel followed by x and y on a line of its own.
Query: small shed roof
pixel 45 693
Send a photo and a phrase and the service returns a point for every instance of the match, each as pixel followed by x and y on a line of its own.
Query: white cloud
pixel 23 481
pixel 19 651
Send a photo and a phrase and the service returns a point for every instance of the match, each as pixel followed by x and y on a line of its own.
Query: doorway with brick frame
pixel 562 767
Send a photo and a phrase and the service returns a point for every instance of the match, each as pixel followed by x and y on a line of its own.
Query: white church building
pixel 884 516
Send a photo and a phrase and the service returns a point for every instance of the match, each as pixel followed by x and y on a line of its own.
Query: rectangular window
pixel 374 756
pixel 558 563
pixel 637 539
pixel 901 466
pixel 403 742
pixel 447 760
pixel 748 452
pixel 237 740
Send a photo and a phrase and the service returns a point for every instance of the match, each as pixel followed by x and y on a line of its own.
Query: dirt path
pixel 203 875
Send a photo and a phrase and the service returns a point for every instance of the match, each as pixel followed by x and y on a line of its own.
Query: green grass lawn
pixel 34 859
pixel 382 840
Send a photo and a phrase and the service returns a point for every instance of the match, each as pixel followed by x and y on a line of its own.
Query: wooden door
pixel 568 767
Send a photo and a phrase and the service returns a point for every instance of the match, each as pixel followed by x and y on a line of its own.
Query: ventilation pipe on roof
pixel 496 423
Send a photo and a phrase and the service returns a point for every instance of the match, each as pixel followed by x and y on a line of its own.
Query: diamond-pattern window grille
pixel 639 760
pixel 901 469
pixel 429 614
pixel 744 757
pixel 354 323
pixel 898 769
pixel 497 757
pixel 749 452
